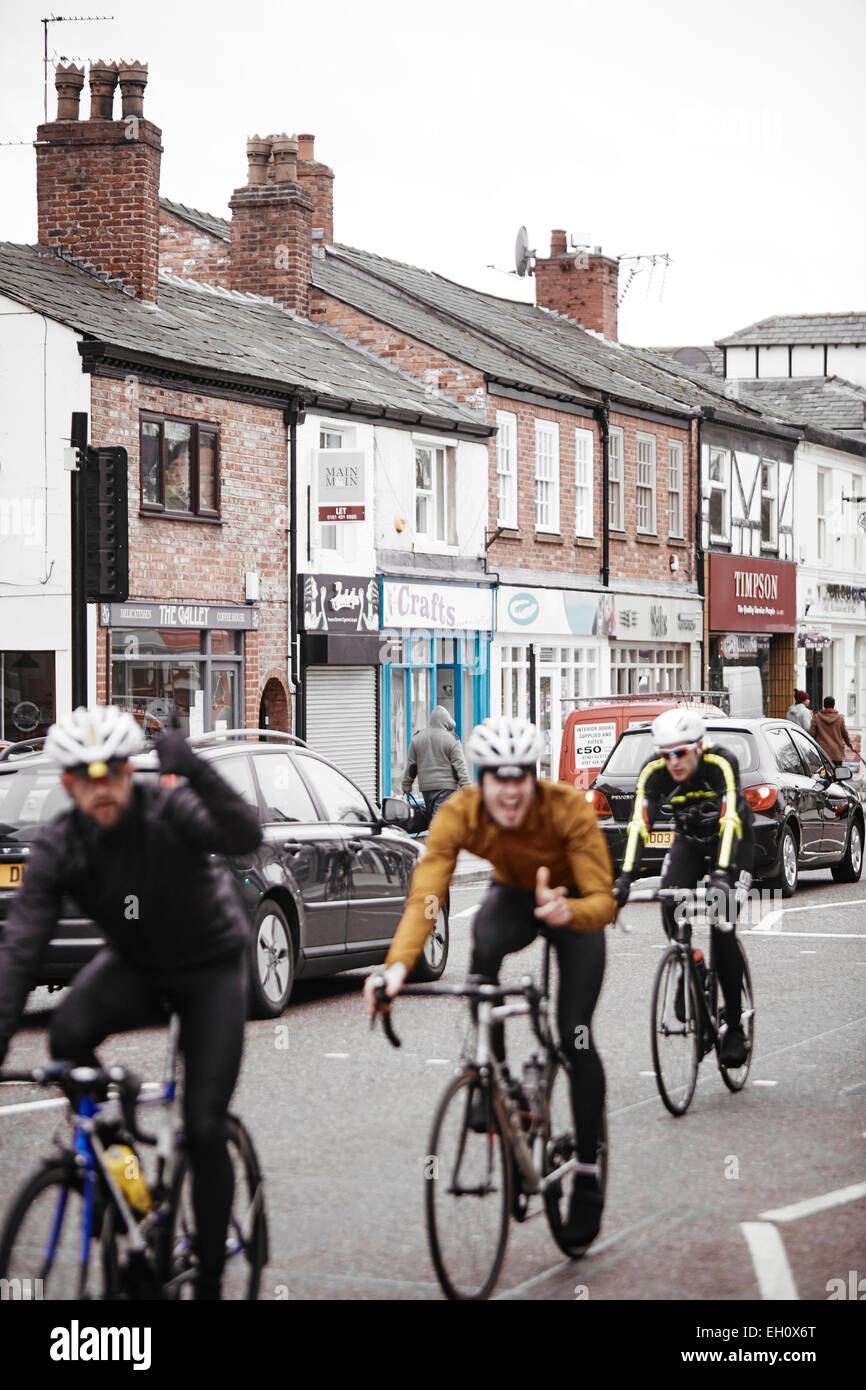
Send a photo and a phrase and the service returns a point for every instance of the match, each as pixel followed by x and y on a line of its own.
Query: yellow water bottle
pixel 126 1171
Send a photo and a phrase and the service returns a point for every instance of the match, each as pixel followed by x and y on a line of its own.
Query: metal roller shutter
pixel 341 720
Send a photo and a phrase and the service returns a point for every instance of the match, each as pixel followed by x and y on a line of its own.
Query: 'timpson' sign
pixel 752 595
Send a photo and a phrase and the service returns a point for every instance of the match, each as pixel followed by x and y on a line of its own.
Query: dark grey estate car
pixel 805 816
pixel 323 892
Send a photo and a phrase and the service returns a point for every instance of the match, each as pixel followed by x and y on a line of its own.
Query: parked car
pixel 591 730
pixel 323 892
pixel 805 817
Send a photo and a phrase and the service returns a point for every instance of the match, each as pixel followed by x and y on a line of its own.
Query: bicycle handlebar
pixel 89 1081
pixel 472 989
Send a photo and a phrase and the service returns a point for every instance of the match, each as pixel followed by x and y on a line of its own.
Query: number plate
pixel 661 837
pixel 11 875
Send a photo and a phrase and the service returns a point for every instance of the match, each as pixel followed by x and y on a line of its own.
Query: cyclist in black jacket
pixel 713 833
pixel 137 859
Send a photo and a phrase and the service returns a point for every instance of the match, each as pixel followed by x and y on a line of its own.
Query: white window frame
pixel 771 542
pixel 616 479
pixel 584 483
pixel 547 476
pixel 645 485
pixel 724 487
pixel 506 469
pixel 444 460
pixel 823 489
pixel 676 489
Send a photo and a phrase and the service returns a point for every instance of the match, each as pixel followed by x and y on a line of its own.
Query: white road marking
pixel 813 1204
pixel 467 912
pixel 815 935
pixel 773 919
pixel 773 1272
pixel 771 922
pixel 765 1083
pixel 647 1073
pixel 26 1105
pixel 808 953
pixel 437 1061
pixel 338 1055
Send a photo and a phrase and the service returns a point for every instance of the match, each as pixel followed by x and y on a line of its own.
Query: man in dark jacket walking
pixel 828 729
pixel 138 860
pixel 436 758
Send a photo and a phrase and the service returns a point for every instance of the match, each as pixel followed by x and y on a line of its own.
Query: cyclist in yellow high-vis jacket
pixel 713 834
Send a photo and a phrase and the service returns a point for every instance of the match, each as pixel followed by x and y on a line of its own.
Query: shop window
pixel 435 494
pixel 583 483
pixel 718 475
pixel 675 490
pixel 194 675
pixel 546 476
pixel 615 482
pixel 179 466
pixel 769 504
pixel 506 468
pixel 646 484
pixel 26 694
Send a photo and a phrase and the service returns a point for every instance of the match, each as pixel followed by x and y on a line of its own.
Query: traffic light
pixel 106 526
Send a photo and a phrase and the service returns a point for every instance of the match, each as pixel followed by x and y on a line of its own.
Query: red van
pixel 591 731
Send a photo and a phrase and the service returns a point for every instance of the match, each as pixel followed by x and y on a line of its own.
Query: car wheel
pixel 788 877
pixel 850 866
pixel 433 959
pixel 272 962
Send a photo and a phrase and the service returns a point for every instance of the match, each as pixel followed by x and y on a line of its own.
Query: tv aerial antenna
pixel 63 19
pixel 640 263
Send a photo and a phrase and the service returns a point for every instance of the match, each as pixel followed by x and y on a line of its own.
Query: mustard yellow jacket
pixel 560 833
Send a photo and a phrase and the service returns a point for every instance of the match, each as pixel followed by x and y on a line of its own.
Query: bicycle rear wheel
pixel 247 1235
pixel 675 1042
pixel 41 1241
pixel 468 1191
pixel 735 1077
pixel 561 1146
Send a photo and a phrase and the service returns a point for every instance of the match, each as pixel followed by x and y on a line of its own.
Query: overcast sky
pixel 728 136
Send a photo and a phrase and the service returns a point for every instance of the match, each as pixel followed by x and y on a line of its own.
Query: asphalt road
pixel 759 1195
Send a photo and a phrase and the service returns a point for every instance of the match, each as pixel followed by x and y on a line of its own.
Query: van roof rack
pixel 720 698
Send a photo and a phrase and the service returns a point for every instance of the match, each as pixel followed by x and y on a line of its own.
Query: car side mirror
pixel 843 774
pixel 395 811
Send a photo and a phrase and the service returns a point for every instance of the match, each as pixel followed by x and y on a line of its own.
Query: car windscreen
pixel 634 749
pixel 29 799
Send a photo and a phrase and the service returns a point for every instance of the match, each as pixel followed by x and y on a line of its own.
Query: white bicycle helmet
pixel 678 726
pixel 92 738
pixel 505 745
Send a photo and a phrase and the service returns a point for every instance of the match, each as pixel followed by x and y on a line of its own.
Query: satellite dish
pixel 522 254
pixel 861 520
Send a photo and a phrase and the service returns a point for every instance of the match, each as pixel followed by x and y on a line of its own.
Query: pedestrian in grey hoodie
pixel 436 758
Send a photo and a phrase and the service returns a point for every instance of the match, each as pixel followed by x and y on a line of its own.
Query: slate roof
pixel 214 226
pixel 786 329
pixel 830 403
pixel 554 344
pixel 219 332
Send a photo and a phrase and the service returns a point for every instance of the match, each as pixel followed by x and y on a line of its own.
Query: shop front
pixel 27 694
pixel 831 648
pixel 434 650
pixel 339 620
pixel 751 627
pixel 181 659
pixel 554 646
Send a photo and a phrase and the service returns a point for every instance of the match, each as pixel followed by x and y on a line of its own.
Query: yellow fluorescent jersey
pixel 560 833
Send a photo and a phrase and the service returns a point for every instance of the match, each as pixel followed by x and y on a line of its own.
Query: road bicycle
pixel 89 1223
pixel 688 1019
pixel 496 1144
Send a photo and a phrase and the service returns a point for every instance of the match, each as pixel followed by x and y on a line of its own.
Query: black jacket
pixel 150 883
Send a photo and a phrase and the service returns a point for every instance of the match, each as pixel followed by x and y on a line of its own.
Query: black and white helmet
pixel 678 726
pixel 94 737
pixel 505 745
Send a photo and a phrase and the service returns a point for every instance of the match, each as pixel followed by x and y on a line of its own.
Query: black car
pixel 804 815
pixel 323 892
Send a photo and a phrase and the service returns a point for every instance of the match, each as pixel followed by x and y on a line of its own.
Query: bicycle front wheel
pixel 560 1147
pixel 468 1190
pixel 735 1077
pixel 42 1241
pixel 675 1041
pixel 247 1234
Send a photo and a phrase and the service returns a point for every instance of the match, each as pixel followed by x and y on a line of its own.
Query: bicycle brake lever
pixel 385 1015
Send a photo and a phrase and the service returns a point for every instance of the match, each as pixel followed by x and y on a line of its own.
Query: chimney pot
pixel 305 147
pixel 69 82
pixel 285 149
pixel 103 80
pixel 258 154
pixel 558 243
pixel 133 80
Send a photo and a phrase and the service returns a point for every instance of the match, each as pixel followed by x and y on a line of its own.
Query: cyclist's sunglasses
pixel 680 752
pixel 96 771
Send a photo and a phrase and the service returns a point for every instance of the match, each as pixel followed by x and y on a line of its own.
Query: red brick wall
pixel 97 196
pixel 271 246
pixel 188 251
pixel 586 293
pixel 648 557
pixel 190 561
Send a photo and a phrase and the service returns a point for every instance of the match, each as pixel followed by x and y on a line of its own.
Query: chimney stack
pixel 271 236
pixel 97 181
pixel 580 285
pixel 318 181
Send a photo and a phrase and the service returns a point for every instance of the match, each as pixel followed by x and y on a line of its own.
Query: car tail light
pixel 599 803
pixel 762 797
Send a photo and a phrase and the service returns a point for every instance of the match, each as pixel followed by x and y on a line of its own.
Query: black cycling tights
pixel 112 996
pixel 505 923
